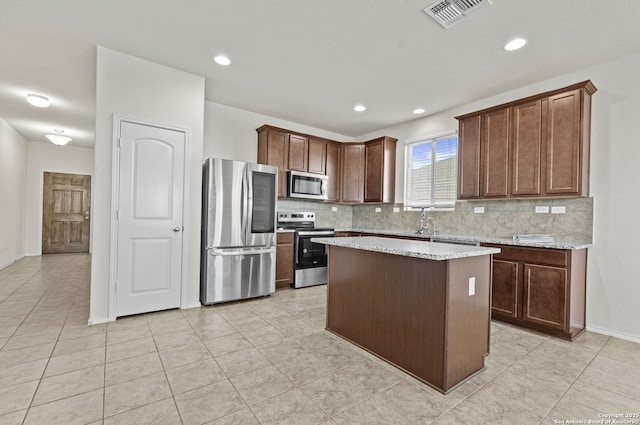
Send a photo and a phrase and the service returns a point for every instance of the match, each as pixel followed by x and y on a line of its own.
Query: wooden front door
pixel 66 212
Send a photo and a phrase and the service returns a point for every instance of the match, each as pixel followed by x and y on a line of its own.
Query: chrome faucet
pixel 423 217
pixel 426 223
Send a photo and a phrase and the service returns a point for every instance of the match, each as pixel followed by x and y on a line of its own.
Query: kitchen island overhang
pixel 423 307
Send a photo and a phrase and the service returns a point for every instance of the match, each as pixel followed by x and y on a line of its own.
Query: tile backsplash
pixel 502 218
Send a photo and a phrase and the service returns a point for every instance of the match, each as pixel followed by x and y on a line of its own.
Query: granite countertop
pixel 408 248
pixel 285 230
pixel 558 244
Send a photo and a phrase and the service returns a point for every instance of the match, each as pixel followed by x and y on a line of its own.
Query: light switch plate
pixel 472 286
pixel 378 209
pixel 396 209
pixel 558 210
pixel 542 210
pixel 334 209
pixel 478 210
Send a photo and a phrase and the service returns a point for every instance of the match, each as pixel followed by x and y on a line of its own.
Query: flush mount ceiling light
pixel 38 100
pixel 359 108
pixel 515 44
pixel 58 138
pixel 222 60
pixel 418 111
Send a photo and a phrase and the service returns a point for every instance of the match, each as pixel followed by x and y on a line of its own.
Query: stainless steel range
pixel 310 259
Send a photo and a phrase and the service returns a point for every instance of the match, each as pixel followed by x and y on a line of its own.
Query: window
pixel 431 176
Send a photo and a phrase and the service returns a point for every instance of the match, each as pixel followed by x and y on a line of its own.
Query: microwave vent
pixel 450 12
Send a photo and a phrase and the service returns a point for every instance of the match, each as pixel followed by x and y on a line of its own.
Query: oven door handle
pixel 315 233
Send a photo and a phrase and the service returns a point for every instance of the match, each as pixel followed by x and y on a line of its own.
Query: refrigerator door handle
pixel 248 215
pixel 227 253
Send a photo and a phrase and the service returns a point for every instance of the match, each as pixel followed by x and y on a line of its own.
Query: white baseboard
pixel 192 305
pixel 614 334
pixel 98 321
pixel 10 262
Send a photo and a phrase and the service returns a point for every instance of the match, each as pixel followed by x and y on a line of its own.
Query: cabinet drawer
pixel 555 257
pixel 284 237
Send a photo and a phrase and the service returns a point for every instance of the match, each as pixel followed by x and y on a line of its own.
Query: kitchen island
pixel 424 307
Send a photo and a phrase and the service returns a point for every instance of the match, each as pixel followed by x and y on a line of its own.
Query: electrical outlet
pixel 334 209
pixel 542 210
pixel 478 210
pixel 472 286
pixel 378 209
pixel 558 210
pixel 396 209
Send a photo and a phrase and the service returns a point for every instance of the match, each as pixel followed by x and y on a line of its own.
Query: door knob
pixel 176 229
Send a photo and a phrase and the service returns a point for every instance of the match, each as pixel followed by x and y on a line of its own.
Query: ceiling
pixel 306 61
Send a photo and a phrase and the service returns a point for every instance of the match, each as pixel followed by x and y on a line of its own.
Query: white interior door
pixel 149 217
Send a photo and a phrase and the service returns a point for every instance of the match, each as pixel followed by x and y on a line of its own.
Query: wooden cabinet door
pixel 495 153
pixel 505 293
pixel 352 172
pixel 545 295
pixel 284 259
pixel 317 156
pixel 298 152
pixel 374 172
pixel 526 149
pixel 273 150
pixel 469 157
pixel 563 144
pixel 333 171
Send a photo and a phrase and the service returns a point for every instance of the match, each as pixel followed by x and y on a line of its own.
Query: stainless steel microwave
pixel 306 185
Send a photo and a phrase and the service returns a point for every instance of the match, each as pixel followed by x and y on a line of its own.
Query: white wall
pixel 48 157
pixel 13 158
pixel 138 89
pixel 230 133
pixel 613 268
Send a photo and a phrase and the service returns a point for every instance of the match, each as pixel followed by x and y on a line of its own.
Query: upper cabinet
pixel 298 152
pixel 273 149
pixel 317 156
pixel 357 172
pixel 332 164
pixel 380 170
pixel 533 147
pixel 352 173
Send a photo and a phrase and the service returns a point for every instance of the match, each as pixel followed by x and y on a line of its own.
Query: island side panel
pixel 393 306
pixel 468 318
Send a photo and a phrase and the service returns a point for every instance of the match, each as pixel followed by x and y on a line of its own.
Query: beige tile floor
pixel 269 361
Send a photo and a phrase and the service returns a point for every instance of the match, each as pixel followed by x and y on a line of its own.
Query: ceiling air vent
pixel 449 12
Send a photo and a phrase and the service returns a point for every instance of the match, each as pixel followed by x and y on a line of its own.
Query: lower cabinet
pixel 284 259
pixel 540 288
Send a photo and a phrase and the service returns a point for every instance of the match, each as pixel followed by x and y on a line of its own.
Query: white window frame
pixel 407 165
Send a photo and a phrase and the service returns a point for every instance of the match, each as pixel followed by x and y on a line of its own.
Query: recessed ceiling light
pixel 38 100
pixel 418 111
pixel 359 108
pixel 515 44
pixel 58 138
pixel 222 60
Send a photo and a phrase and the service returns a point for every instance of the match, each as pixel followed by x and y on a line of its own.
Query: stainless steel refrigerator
pixel 238 230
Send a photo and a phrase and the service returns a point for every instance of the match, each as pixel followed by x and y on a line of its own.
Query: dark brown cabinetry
pixel 284 259
pixel 352 172
pixel 380 170
pixel 526 149
pixel 495 154
pixel 317 156
pixel 298 152
pixel 533 147
pixel 273 149
pixel 540 288
pixel 357 172
pixel 469 157
pixel 332 167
